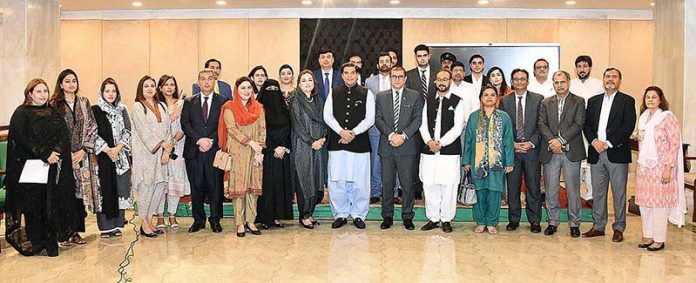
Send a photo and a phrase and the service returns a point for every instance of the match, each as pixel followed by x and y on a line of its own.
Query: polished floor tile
pixel 294 254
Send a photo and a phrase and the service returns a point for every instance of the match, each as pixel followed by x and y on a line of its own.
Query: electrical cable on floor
pixel 129 254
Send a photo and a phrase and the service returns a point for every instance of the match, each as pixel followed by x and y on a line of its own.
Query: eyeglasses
pixel 541 67
pixel 519 79
pixel 398 78
pixel 442 79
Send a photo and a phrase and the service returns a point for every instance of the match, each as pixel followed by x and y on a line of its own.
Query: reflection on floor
pixel 294 254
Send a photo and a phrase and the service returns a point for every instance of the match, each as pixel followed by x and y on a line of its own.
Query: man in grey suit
pixel 523 108
pixel 561 120
pixel 398 115
pixel 377 84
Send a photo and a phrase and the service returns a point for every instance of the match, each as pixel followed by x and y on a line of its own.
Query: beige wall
pixel 627 45
pixel 128 49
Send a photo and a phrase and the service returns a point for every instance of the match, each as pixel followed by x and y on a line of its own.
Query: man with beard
pixel 477 78
pixel 394 56
pixel 446 60
pixel 377 84
pixel 357 61
pixel 541 83
pixel 465 91
pixel 349 112
pixel 443 123
pixel 586 87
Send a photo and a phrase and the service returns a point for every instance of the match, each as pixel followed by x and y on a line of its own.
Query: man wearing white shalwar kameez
pixel 443 123
pixel 350 112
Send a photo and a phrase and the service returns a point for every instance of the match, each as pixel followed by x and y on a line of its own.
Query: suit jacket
pixel 569 127
pixel 470 80
pixel 410 119
pixel 622 120
pixel 414 80
pixel 336 80
pixel 225 89
pixel 193 126
pixel 372 83
pixel 531 115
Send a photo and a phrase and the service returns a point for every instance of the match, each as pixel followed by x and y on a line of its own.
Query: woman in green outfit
pixel 489 155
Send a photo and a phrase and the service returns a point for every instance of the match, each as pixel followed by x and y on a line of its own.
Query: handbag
pixel 467 190
pixel 223 161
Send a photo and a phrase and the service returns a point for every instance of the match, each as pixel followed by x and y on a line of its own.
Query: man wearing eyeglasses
pixel 541 83
pixel 398 116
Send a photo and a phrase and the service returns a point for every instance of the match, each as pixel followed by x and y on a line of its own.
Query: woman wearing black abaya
pixel 39 215
pixel 275 203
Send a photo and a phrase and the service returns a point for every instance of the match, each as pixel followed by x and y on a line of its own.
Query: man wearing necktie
pixel 326 76
pixel 398 117
pixel 523 108
pixel 199 121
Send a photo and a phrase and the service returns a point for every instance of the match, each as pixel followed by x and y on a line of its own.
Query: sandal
pixel 117 233
pixel 106 235
pixel 492 230
pixel 160 223
pixel 66 244
pixel 479 229
pixel 76 239
pixel 173 224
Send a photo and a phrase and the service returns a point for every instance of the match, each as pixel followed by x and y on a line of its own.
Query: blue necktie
pixel 327 87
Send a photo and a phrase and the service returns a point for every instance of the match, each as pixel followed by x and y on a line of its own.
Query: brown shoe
pixel 618 236
pixel 592 233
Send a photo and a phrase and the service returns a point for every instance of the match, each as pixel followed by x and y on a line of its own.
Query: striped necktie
pixel 397 105
pixel 424 84
pixel 520 120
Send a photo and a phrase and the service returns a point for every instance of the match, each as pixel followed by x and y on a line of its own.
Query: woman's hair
pixel 110 81
pixel 488 86
pixel 58 93
pixel 299 78
pixel 163 79
pixel 140 95
pixel 30 88
pixel 503 85
pixel 664 104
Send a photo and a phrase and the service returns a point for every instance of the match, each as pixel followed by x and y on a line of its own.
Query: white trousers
pixel 350 198
pixel 586 175
pixel 172 205
pixel 440 202
pixel 654 221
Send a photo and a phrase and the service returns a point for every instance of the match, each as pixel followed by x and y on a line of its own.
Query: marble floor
pixel 293 254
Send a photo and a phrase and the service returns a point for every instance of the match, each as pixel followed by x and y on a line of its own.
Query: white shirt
pixel 209 101
pixel 362 127
pixel 427 76
pixel 604 118
pixel 323 76
pixel 467 92
pixel 446 138
pixel 545 89
pixel 477 83
pixel 384 83
pixel 589 88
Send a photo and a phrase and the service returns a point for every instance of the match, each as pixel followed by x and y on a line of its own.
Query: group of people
pixel 403 135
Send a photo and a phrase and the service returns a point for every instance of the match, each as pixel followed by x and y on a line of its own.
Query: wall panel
pixel 81 50
pixel 174 51
pixel 227 41
pixel 126 54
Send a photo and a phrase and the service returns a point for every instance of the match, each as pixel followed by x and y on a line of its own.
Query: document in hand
pixel 35 171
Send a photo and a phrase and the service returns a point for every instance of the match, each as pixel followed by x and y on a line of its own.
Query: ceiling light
pixel 394 2
pixel 570 2
pixel 483 2
pixel 307 2
pixel 221 3
pixel 137 4
pixel 652 4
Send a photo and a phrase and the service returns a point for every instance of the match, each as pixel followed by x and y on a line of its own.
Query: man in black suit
pixel 611 117
pixel 326 77
pixel 199 121
pixel 421 78
pixel 476 77
pixel 523 108
pixel 398 116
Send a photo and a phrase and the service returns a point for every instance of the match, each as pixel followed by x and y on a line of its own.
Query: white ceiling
pixel 91 5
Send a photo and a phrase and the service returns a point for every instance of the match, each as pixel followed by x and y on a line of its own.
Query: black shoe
pixel 374 200
pixel 550 230
pixel 512 226
pixel 315 222
pixel 264 226
pixel 645 246
pixel 310 226
pixel 278 224
pixel 216 227
pixel 662 246
pixel 195 227
pixel 447 227
pixel 339 222
pixel 387 223
pixel 575 232
pixel 429 226
pixel 253 232
pixel 359 223
pixel 408 224
pixel 536 228
pixel 151 235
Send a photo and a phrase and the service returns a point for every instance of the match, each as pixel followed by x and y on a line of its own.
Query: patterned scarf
pixel 121 132
pixel 489 144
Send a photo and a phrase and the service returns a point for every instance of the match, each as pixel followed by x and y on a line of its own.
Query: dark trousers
pixel 530 169
pixel 404 165
pixel 205 180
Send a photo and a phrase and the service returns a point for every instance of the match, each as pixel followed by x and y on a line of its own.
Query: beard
pixel 443 88
pixel 583 75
